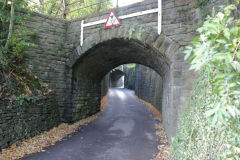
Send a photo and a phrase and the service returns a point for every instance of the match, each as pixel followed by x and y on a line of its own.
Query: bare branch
pixel 59 7
pixel 86 7
pixel 11 23
pixel 64 9
pixel 99 5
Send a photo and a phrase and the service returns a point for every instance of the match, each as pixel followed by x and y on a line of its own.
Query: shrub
pixel 210 126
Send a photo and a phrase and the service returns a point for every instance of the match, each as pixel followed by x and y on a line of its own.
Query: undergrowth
pixel 17 83
pixel 210 125
pixel 197 139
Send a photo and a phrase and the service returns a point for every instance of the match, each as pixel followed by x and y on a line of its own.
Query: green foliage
pixel 81 8
pixel 140 33
pixel 13 54
pixel 202 4
pixel 210 126
pixel 15 80
pixel 217 50
pixel 105 5
pixel 131 65
pixel 24 97
pixel 132 28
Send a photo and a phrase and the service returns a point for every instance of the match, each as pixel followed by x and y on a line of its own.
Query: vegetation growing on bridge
pixel 201 4
pixel 210 126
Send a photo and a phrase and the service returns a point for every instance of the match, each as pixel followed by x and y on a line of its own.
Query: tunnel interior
pixel 90 70
pixel 116 78
pixel 144 81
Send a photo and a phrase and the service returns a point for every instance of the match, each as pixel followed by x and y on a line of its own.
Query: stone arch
pixel 160 43
pixel 111 48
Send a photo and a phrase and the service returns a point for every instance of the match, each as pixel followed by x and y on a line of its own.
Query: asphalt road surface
pixel 123 131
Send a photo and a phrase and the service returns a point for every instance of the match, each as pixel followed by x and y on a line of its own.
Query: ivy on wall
pixel 131 28
pixel 201 4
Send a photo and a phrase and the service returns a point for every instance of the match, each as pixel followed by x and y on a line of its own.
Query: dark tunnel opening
pixel 90 69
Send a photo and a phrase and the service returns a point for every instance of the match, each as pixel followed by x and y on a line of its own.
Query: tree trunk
pixel 59 7
pixel 11 23
pixel 64 9
pixel 99 6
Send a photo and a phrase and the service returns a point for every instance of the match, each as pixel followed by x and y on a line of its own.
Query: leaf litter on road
pixel 47 138
pixel 163 147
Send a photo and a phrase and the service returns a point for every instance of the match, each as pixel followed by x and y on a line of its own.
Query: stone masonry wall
pixel 105 85
pixel 148 84
pixel 130 76
pixel 47 60
pixel 86 97
pixel 18 122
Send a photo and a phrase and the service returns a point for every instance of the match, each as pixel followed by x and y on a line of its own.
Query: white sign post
pixel 159 16
pixel 156 10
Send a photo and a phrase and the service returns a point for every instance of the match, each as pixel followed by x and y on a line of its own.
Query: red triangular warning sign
pixel 112 20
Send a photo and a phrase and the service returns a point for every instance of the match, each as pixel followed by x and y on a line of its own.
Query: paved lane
pixel 123 131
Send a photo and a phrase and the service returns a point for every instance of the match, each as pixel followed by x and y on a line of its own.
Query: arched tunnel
pixel 90 69
pixel 116 78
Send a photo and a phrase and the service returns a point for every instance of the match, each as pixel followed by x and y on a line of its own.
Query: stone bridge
pixel 75 72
